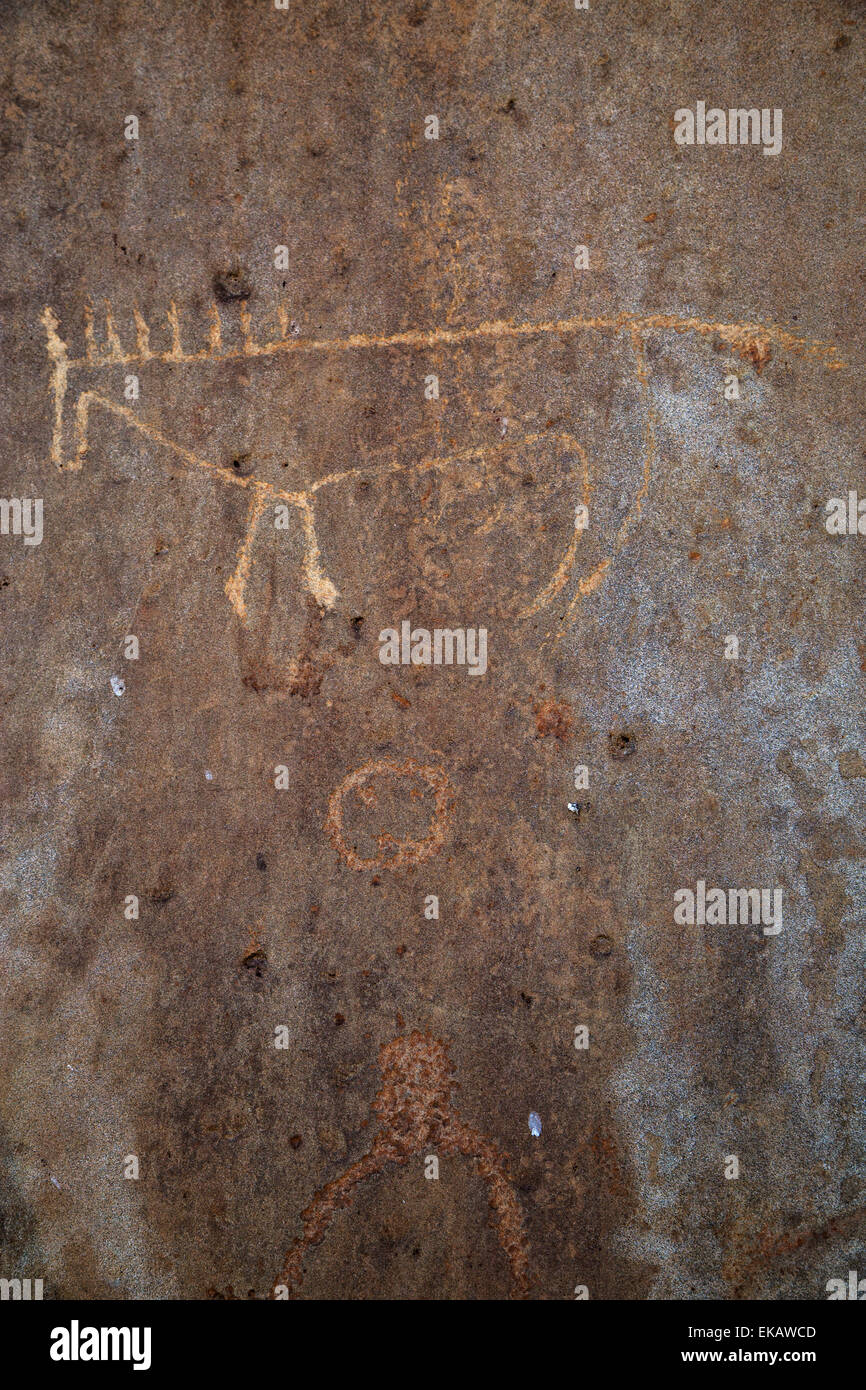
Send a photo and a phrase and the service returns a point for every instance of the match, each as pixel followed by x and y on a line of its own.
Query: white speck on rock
pixel 534 1124
pixel 118 685
pixel 208 776
pixel 56 1183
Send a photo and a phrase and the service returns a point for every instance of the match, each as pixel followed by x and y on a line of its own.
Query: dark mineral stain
pixel 256 962
pixel 241 465
pixel 621 743
pixel 600 946
pixel 232 284
pixel 163 892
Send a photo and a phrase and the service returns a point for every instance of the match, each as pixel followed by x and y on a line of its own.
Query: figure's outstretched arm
pixel 317 1217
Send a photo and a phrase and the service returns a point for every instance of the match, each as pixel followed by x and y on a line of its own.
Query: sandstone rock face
pixel 287 912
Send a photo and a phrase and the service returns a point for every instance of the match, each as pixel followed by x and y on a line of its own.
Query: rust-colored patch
pixel 553 717
pixel 309 668
pixel 414 1104
pixel 606 1155
pixel 308 675
pixel 751 347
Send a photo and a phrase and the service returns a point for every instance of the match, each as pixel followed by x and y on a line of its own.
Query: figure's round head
pixel 417 1077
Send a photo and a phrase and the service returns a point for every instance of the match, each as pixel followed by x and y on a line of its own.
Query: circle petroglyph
pixel 393 852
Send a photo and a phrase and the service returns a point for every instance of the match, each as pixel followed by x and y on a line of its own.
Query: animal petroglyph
pixel 415 1107
pixel 393 854
pixel 752 342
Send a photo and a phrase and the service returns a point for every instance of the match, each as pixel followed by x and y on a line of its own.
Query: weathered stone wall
pixel 287 485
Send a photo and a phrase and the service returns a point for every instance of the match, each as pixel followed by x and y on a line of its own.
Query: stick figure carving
pixel 414 1104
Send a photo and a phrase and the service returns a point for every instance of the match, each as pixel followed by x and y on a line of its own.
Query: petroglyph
pixel 415 1107
pixel 393 854
pixel 746 339
pixel 753 342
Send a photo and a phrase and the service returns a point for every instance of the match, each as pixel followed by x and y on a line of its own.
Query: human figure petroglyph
pixel 415 1106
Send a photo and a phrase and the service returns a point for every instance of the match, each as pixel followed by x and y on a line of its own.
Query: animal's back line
pixel 739 335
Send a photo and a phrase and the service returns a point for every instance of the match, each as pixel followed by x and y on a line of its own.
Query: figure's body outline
pixel 414 1103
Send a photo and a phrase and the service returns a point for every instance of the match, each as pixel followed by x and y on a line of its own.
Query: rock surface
pixel 286 1009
